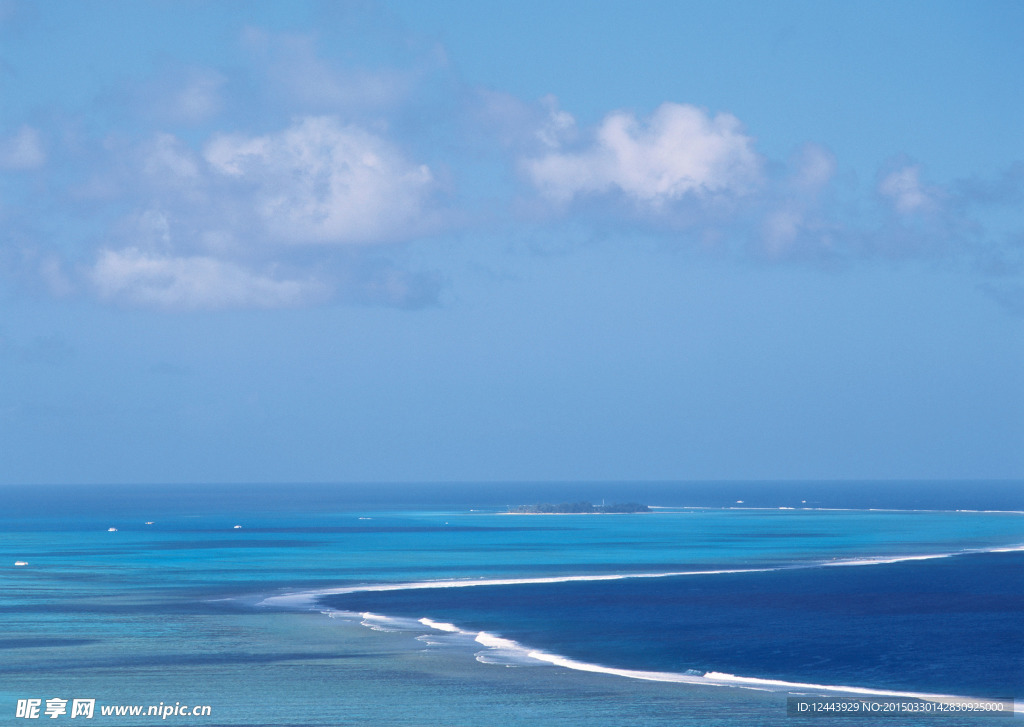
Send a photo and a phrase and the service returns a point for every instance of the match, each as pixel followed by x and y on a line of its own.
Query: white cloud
pixel 795 216
pixel 199 98
pixel 140 278
pixel 217 230
pixel 180 96
pixel 780 229
pixel 56 281
pixel 679 151
pixel 155 228
pixel 814 168
pixel 531 127
pixel 321 182
pixel 903 189
pixel 557 126
pixel 24 150
pixel 168 156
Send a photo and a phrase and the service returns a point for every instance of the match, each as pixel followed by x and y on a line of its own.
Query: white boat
pixel 111 530
pixel 20 562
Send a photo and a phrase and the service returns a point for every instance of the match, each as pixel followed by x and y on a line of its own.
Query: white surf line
pixel 721 679
pixel 883 559
pixel 304 598
pixel 308 599
pixel 711 678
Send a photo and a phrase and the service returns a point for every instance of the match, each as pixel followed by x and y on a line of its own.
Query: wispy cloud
pixel 297 75
pixel 133 276
pixel 183 96
pixel 795 222
pixel 22 150
pixel 902 188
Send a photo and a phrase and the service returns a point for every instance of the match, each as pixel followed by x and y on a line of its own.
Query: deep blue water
pixel 167 610
pixel 950 625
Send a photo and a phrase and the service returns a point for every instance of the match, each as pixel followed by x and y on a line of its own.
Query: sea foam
pixel 508 652
pixel 511 653
pixel 303 600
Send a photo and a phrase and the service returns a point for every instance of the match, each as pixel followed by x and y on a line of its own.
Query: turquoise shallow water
pixel 168 612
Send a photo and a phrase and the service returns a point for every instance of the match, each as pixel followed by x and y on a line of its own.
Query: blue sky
pixel 407 241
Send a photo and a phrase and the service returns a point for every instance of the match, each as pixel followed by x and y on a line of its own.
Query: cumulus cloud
pixel 679 151
pixel 23 150
pixel 164 281
pixel 326 183
pixel 215 229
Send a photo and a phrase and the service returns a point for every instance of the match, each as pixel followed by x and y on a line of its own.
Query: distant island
pixel 573 508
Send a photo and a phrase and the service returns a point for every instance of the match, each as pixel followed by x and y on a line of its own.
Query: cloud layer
pixel 216 228
pixel 297 179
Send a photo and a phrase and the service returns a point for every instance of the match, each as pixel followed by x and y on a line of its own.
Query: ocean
pixel 428 604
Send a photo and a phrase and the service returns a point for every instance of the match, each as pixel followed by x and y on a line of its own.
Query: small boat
pixel 238 527
pixel 111 530
pixel 20 562
pixel 149 522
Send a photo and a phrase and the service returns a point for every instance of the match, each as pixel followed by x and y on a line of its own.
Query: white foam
pixel 297 600
pixel 431 640
pixel 508 652
pixel 379 622
pixel 1009 549
pixel 722 679
pixel 881 560
pixel 495 642
pixel 504 652
pixel 305 598
pixel 308 599
pixel 440 626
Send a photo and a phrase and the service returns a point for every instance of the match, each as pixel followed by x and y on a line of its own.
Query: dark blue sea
pixel 948 626
pixel 431 604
